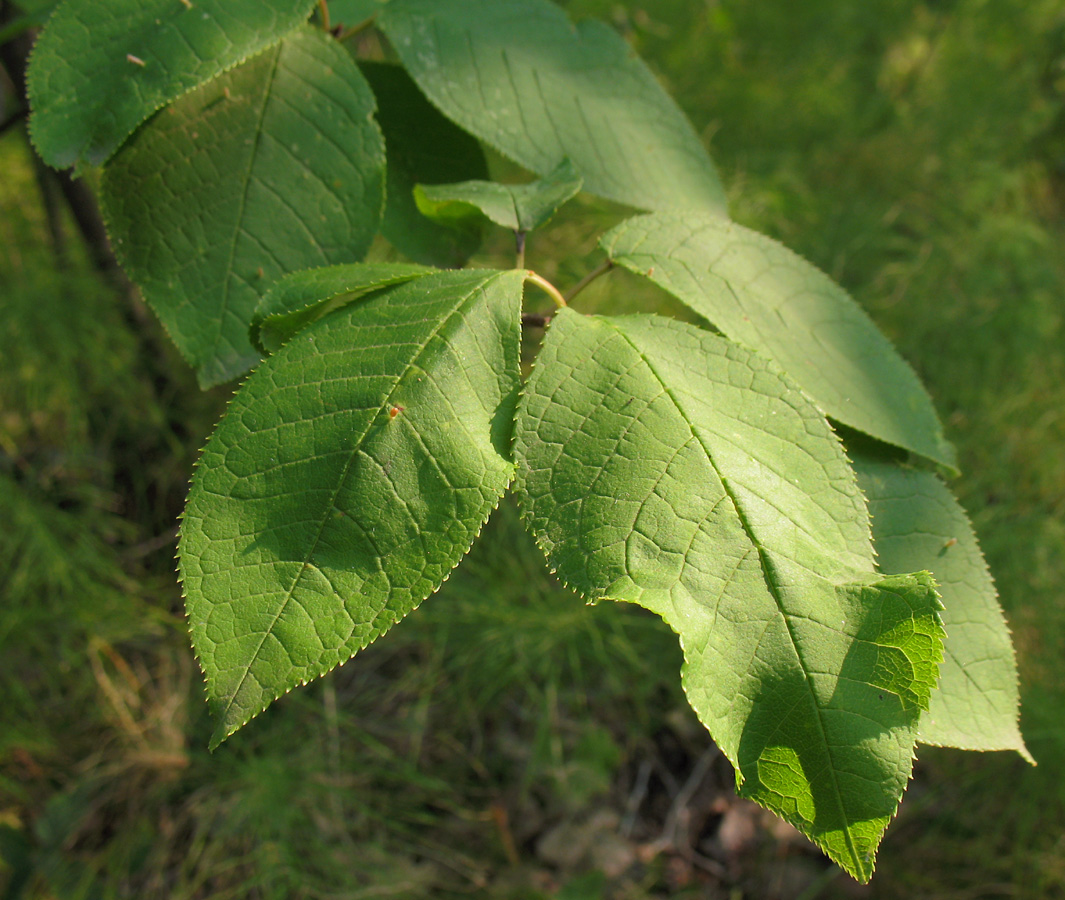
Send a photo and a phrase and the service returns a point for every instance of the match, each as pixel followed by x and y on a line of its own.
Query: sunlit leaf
pixel 761 294
pixel 917 524
pixel 662 465
pixel 304 297
pixel 351 473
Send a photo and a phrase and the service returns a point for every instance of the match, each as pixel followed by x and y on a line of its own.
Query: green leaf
pixel 351 473
pixel 761 294
pixel 917 524
pixel 519 207
pixel 425 147
pixel 304 297
pixel 275 166
pixel 663 465
pixel 100 69
pixel 524 80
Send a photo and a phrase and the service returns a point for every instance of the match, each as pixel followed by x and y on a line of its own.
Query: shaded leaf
pixel 304 297
pixel 765 296
pixel 522 78
pixel 663 465
pixel 425 147
pixel 350 474
pixel 100 69
pixel 275 166
pixel 917 524
pixel 519 207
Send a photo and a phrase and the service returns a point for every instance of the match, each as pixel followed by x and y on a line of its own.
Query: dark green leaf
pixel 662 465
pixel 351 473
pixel 519 207
pixel 423 147
pixel 102 68
pixel 275 166
pixel 522 78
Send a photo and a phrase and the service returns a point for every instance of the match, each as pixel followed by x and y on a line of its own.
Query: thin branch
pixel 547 287
pixel 603 267
pixel 323 9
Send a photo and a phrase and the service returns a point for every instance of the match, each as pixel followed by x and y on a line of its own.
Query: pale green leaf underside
pixel 298 299
pixel 273 167
pixel 663 465
pixel 522 78
pixel 350 474
pixel 102 68
pixel 519 207
pixel 423 146
pixel 763 295
pixel 917 524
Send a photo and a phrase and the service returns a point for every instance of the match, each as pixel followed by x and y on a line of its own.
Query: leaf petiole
pixel 547 287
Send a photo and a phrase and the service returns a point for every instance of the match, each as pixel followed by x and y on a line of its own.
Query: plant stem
pixel 519 242
pixel 603 267
pixel 547 287
pixel 323 8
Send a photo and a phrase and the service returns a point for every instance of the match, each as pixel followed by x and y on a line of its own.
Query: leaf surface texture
pixel 519 207
pixel 350 474
pixel 300 298
pixel 662 465
pixel 522 78
pixel 917 524
pixel 763 295
pixel 102 68
pixel 275 166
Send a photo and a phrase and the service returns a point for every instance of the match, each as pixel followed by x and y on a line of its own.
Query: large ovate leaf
pixel 917 523
pixel 350 474
pixel 300 298
pixel 102 68
pixel 273 167
pixel 765 296
pixel 663 465
pixel 522 78
pixel 519 207
pixel 423 147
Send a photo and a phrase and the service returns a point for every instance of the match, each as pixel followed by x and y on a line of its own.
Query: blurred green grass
pixel 913 150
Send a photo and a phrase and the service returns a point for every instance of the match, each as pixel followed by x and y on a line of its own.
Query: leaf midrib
pixel 767 571
pixel 341 481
